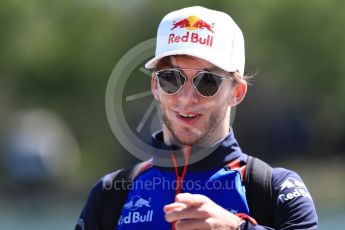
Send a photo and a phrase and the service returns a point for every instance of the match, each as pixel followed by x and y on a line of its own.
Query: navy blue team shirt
pixel 156 187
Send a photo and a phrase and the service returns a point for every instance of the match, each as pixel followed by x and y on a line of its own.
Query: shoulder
pixel 282 180
pixel 292 205
pixel 103 188
pixel 120 180
pixel 99 210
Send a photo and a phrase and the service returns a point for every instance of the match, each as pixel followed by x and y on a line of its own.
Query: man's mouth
pixel 186 115
pixel 189 118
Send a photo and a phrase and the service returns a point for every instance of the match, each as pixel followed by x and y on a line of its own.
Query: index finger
pixel 191 199
pixel 174 206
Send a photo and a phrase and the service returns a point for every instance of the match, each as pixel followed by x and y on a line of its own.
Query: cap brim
pixel 190 52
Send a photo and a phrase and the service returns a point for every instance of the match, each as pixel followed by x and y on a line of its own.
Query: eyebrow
pixel 213 68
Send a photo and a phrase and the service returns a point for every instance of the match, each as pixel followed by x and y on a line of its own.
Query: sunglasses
pixel 205 83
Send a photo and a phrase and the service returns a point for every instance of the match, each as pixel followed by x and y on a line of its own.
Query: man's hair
pixel 166 62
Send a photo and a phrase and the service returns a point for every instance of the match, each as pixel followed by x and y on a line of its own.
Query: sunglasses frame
pixel 180 71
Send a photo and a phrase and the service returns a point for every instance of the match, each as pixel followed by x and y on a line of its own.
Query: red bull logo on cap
pixel 191 23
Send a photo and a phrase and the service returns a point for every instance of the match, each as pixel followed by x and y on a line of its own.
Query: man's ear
pixel 154 87
pixel 238 92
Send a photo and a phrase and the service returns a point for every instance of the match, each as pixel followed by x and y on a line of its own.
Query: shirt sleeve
pixel 293 205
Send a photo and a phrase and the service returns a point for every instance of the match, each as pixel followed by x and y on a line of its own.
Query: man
pixel 198 76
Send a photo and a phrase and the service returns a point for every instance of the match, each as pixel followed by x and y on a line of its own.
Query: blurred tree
pixel 59 55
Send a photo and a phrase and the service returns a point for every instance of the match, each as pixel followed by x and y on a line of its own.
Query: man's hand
pixel 195 211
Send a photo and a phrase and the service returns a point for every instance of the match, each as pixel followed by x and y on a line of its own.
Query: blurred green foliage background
pixel 58 56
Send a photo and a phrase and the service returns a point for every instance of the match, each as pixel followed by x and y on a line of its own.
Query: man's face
pixel 190 118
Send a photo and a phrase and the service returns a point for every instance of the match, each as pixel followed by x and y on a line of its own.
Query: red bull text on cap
pixel 191 23
pixel 203 33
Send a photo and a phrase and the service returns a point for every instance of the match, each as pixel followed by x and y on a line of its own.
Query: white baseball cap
pixel 203 33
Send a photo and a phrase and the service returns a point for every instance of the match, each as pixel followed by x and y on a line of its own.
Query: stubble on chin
pixel 177 138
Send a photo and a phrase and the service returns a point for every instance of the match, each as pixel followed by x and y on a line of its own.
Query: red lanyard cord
pixel 180 178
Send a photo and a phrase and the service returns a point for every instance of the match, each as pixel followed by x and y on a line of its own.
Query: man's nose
pixel 188 94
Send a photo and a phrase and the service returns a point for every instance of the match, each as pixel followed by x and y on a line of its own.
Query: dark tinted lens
pixel 207 84
pixel 170 80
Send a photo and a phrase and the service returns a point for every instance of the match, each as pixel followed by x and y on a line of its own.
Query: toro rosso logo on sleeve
pixel 192 23
pixel 292 188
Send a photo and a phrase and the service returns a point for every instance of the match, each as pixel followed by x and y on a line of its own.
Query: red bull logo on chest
pixel 192 23
pixel 137 210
